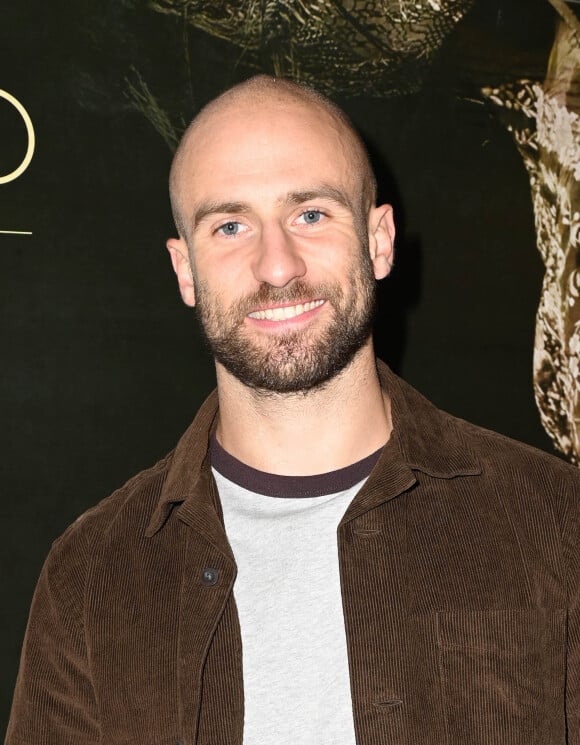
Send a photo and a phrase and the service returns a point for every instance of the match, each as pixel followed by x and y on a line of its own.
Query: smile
pixel 282 314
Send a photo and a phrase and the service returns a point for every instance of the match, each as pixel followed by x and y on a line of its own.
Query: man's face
pixel 283 278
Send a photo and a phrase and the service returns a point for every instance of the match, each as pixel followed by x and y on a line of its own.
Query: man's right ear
pixel 182 267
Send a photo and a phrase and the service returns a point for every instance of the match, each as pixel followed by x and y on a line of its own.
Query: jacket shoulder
pixel 133 503
pixel 493 448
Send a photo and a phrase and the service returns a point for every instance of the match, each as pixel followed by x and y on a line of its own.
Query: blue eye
pixel 230 228
pixel 311 216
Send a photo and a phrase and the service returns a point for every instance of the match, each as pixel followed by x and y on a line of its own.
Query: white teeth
pixel 281 314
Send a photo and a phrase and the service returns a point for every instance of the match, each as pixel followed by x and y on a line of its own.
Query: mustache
pixel 299 291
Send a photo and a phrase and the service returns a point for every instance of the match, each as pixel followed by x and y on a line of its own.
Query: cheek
pixel 224 270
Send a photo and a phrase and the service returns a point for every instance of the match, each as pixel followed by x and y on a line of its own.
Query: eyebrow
pixel 321 192
pixel 206 209
pixel 217 208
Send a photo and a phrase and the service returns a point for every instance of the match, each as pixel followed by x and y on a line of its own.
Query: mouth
pixel 286 312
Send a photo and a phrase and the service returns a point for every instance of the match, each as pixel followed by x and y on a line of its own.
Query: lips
pixel 283 314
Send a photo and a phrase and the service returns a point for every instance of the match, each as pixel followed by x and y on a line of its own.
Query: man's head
pixel 280 241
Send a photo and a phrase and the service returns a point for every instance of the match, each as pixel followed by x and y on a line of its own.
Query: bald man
pixel 325 558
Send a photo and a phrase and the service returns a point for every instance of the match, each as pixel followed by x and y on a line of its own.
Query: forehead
pixel 261 147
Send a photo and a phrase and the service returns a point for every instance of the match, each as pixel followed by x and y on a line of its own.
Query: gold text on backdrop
pixel 28 155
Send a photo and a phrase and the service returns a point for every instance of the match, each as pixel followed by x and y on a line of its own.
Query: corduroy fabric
pixel 460 575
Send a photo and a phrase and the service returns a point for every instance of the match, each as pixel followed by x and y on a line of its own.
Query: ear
pixel 381 227
pixel 182 267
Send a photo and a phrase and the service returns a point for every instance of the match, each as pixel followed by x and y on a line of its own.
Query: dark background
pixel 103 367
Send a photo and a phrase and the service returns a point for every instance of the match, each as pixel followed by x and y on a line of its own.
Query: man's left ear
pixel 382 239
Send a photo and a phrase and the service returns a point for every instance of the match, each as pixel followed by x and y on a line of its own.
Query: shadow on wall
pixel 401 290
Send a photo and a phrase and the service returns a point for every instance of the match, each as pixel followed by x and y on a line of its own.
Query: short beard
pixel 298 361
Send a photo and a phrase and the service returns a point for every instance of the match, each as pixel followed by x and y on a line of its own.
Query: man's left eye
pixel 310 217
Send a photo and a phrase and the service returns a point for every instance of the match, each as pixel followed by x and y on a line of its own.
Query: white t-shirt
pixel 282 531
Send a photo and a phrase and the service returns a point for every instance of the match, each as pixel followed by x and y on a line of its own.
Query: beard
pixel 297 361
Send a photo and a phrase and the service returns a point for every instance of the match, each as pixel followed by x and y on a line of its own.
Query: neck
pixel 306 433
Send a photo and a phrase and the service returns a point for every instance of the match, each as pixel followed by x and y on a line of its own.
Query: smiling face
pixel 282 270
pixel 288 339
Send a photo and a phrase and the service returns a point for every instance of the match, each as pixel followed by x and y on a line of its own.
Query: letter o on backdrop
pixel 31 139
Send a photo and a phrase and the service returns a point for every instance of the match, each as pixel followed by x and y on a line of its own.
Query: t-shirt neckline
pixel 274 485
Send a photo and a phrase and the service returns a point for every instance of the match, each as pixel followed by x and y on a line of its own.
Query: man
pixel 326 558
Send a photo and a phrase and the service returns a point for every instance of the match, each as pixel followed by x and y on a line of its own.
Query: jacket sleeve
pixel 54 701
pixel 572 549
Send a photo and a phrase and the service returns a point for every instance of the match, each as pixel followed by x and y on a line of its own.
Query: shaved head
pixel 266 90
pixel 280 241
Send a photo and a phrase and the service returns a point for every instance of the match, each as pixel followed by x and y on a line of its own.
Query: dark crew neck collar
pixel 273 485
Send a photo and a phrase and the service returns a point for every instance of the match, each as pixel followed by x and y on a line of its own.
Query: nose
pixel 278 260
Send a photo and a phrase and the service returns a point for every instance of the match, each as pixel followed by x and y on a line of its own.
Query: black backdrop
pixel 102 367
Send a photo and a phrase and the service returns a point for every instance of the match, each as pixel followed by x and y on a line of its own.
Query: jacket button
pixel 209 576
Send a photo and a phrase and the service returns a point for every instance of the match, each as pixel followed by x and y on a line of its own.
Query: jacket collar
pixel 424 439
pixel 429 440
pixel 188 473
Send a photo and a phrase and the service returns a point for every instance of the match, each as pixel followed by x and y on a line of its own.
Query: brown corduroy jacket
pixel 460 575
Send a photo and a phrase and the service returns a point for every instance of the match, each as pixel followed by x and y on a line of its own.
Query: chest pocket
pixel 502 676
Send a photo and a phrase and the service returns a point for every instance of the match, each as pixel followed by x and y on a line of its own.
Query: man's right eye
pixel 229 228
